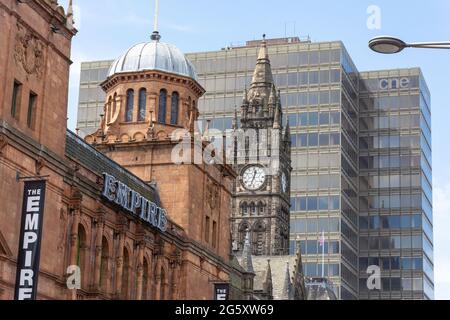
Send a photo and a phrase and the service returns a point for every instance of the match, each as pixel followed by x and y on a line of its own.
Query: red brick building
pixel 120 255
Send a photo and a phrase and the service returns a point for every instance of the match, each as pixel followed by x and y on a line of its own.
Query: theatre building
pixel 120 219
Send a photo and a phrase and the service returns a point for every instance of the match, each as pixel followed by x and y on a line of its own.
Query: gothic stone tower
pixel 261 202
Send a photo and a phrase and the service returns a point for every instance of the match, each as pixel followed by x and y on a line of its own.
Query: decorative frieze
pixel 29 51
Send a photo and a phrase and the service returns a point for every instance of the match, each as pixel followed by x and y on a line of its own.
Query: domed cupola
pixel 151 91
pixel 154 55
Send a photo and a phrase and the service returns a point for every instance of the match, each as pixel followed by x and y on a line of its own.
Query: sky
pixel 107 28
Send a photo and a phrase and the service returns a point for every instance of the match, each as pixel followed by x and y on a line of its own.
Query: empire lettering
pixel 30 237
pixel 122 195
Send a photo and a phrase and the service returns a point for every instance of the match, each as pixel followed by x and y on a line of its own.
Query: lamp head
pixel 387 45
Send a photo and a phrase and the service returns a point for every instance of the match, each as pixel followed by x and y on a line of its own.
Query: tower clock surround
pixel 253 177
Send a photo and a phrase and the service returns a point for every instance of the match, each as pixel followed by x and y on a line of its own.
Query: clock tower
pixel 261 202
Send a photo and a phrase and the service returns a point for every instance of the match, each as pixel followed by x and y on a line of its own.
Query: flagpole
pixel 155 21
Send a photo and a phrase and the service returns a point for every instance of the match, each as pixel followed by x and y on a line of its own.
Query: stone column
pixel 98 253
pixel 74 236
pixel 152 99
pixel 76 213
pixel 140 270
pixel 119 265
pixel 150 287
pixel 158 279
pixel 175 277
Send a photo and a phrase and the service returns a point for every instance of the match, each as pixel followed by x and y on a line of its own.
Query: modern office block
pixel 91 99
pixel 395 196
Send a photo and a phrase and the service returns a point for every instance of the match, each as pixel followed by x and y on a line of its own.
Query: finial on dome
pixel 263 51
pixel 155 35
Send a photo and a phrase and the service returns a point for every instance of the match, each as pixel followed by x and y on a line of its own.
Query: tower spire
pixel 268 286
pixel 287 286
pixel 234 125
pixel 263 70
pixel 247 261
pixel 287 133
pixel 155 35
pixel 263 52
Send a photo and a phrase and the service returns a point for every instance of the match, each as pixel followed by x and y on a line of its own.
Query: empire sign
pixel 30 241
pixel 130 200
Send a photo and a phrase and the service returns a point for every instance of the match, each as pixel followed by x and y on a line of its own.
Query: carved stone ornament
pixel 62 229
pixel 29 51
pixel 212 194
pixel 40 164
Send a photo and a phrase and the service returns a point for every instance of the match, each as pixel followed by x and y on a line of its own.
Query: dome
pixel 154 55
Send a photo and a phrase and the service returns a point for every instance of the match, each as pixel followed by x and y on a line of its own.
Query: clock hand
pixel 254 176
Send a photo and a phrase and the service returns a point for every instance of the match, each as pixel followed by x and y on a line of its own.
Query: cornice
pixel 149 75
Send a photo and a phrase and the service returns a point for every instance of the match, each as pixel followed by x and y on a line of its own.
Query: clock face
pixel 253 178
pixel 283 182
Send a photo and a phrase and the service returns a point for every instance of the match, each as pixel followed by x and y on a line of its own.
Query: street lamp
pixel 391 45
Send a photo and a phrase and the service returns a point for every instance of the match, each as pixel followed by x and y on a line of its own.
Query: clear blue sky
pixel 109 27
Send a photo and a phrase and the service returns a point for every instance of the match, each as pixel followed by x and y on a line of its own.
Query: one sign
pixel 221 291
pixel 30 241
pixel 394 83
pixel 130 200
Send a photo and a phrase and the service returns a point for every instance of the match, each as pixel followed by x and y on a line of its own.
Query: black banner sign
pixel 221 291
pixel 30 241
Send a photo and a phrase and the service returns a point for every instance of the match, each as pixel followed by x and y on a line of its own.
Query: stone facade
pixel 263 209
pixel 120 256
pixel 37 60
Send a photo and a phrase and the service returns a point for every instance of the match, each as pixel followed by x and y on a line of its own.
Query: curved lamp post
pixel 391 45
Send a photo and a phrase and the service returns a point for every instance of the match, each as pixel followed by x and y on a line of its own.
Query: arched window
pixel 129 108
pixel 252 209
pixel 261 208
pixel 162 106
pixel 243 228
pixel 145 277
pixel 142 104
pixel 174 108
pixel 259 238
pixel 244 209
pixel 125 273
pixel 104 266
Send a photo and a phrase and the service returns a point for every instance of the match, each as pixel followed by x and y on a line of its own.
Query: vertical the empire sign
pixel 30 241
